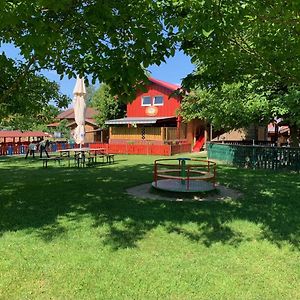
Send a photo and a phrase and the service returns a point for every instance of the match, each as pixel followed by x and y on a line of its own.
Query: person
pixel 31 150
pixel 43 145
pixel 71 142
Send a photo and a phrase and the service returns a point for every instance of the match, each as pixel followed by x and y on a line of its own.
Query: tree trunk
pixel 294 136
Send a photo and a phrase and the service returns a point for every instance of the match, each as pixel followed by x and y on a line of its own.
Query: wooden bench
pixel 92 158
pixel 106 157
pixel 110 158
pixel 46 159
pixel 79 160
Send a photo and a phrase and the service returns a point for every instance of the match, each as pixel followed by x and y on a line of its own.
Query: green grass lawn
pixel 68 233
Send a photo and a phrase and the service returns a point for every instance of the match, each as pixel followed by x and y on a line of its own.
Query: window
pixel 146 101
pixel 158 100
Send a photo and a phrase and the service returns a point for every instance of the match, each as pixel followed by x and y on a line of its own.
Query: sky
pixel 173 71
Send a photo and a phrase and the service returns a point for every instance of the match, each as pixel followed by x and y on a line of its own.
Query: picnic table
pixel 81 155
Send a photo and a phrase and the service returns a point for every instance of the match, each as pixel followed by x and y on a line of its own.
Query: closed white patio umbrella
pixel 79 110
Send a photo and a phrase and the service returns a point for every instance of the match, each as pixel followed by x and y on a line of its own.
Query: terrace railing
pixel 147 133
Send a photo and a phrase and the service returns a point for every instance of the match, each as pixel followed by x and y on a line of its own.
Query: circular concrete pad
pixel 172 185
pixel 144 191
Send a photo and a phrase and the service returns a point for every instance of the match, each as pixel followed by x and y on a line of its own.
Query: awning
pixel 22 134
pixel 138 120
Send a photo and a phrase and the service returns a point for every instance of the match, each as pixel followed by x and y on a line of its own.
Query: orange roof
pixel 69 113
pixel 18 133
pixel 170 86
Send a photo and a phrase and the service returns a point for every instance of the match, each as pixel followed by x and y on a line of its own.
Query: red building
pixel 152 124
pixel 17 136
pixel 151 118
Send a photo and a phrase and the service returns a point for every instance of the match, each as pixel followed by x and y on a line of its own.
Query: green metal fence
pixel 256 157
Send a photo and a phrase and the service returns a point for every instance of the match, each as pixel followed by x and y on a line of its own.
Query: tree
pixel 25 92
pixel 108 106
pixel 113 41
pixel 35 121
pixel 232 39
pixel 248 42
pixel 64 129
pixel 286 105
pixel 238 105
pixel 233 106
pixel 90 92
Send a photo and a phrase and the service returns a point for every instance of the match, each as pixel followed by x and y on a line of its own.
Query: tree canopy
pixel 33 121
pixel 26 95
pixel 112 41
pixel 231 39
pixel 247 56
pixel 232 106
pixel 231 42
pixel 108 106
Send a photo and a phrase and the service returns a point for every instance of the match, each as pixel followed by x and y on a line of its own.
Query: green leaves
pixel 231 106
pixel 232 43
pixel 107 105
pixel 25 92
pixel 236 39
pixel 207 33
pixel 107 40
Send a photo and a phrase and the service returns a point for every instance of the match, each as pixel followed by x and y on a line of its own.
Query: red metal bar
pixel 188 178
pixel 155 174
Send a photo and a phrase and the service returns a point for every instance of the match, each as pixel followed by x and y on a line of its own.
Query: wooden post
pixel 162 133
pixel 178 128
pixel 110 133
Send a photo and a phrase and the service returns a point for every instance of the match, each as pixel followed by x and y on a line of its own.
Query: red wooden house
pixel 151 119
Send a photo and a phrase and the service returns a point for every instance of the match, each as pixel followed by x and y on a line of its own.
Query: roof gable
pixel 69 113
pixel 167 85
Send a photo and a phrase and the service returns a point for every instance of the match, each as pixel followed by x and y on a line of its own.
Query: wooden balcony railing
pixel 147 133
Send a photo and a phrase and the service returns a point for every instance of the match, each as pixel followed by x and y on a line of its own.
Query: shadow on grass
pixel 210 234
pixel 36 200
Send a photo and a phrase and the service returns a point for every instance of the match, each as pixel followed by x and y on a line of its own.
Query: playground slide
pixel 199 144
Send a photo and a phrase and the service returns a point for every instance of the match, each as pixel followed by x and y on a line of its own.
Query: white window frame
pixel 158 104
pixel 143 101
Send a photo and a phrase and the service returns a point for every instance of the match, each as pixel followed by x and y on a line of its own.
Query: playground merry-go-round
pixel 189 175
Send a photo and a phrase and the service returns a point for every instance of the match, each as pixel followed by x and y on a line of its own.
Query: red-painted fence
pixel 180 148
pixel 166 150
pixel 145 149
pixel 22 147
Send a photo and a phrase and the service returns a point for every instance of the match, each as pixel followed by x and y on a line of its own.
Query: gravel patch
pixel 145 191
